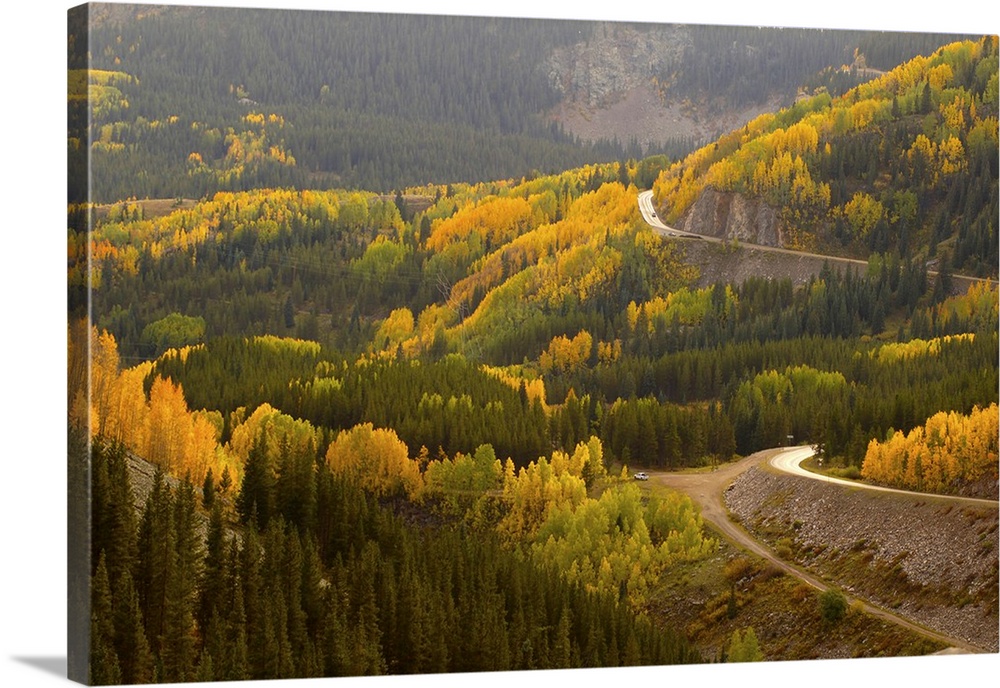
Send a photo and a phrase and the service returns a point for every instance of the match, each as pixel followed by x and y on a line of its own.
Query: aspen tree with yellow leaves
pixel 949 454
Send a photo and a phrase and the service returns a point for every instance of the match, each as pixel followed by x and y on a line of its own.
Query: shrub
pixel 832 605
pixel 802 592
pixel 737 569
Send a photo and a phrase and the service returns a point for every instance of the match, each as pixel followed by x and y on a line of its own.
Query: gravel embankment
pixel 950 551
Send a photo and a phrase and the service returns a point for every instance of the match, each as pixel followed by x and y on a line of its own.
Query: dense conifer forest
pixel 381 102
pixel 394 417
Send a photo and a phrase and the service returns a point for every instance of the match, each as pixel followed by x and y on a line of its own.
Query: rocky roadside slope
pixel 922 558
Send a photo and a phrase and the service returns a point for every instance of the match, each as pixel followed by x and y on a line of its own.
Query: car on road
pixel 641 476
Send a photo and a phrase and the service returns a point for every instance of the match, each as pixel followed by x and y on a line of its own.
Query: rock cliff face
pixel 598 72
pixel 617 84
pixel 732 216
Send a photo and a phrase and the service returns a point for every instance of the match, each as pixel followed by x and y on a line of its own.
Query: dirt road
pixel 708 490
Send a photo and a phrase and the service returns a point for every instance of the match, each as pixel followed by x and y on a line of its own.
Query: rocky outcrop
pixel 726 264
pixel 733 216
pixel 598 72
pixel 618 84
pixel 924 558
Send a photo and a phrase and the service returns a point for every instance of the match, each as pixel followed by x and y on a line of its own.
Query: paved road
pixel 789 461
pixel 651 218
pixel 708 489
pixel 654 221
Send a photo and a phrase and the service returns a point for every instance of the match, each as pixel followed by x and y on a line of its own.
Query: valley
pixel 360 377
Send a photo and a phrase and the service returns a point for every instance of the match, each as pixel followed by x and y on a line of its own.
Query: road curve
pixel 790 460
pixel 707 489
pixel 652 219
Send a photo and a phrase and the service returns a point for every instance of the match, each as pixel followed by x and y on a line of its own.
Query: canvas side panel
pixel 78 325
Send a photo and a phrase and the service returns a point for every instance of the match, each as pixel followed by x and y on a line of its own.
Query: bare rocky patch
pixel 929 561
pixel 611 88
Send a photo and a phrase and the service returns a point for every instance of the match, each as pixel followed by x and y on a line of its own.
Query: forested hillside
pixel 410 413
pixel 905 163
pixel 381 102
pixel 551 287
pixel 742 65
pixel 359 100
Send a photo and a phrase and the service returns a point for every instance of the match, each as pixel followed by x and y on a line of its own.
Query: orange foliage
pixel 950 450
pixel 112 403
pixel 177 440
pixel 496 221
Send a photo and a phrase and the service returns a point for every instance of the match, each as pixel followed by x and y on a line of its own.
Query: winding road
pixel 708 490
pixel 649 215
pixel 790 460
pixel 653 220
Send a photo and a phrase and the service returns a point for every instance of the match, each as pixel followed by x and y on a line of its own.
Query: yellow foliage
pixel 377 459
pixel 940 76
pixel 395 329
pixel 609 352
pixel 534 388
pixel 495 221
pixel 771 156
pixel 890 353
pixel 950 450
pixel 951 156
pixel 863 212
pixel 979 304
pixel 534 492
pixel 566 355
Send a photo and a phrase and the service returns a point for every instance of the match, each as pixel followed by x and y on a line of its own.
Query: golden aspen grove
pixel 367 384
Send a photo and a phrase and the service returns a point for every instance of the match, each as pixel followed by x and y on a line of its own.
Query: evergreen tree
pixel 208 490
pixel 256 500
pixel 104 665
pixel 131 644
pixel 157 556
pixel 113 511
pixel 213 583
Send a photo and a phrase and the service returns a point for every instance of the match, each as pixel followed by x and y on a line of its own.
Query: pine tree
pixel 213 581
pixel 168 570
pixel 562 652
pixel 114 522
pixel 226 481
pixel 208 490
pixel 104 665
pixel 130 635
pixel 256 500
pixel 231 662
pixel 156 557
pixel 205 671
pixel 176 639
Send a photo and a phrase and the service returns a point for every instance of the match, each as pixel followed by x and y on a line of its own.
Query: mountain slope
pixel 383 101
pixel 905 163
